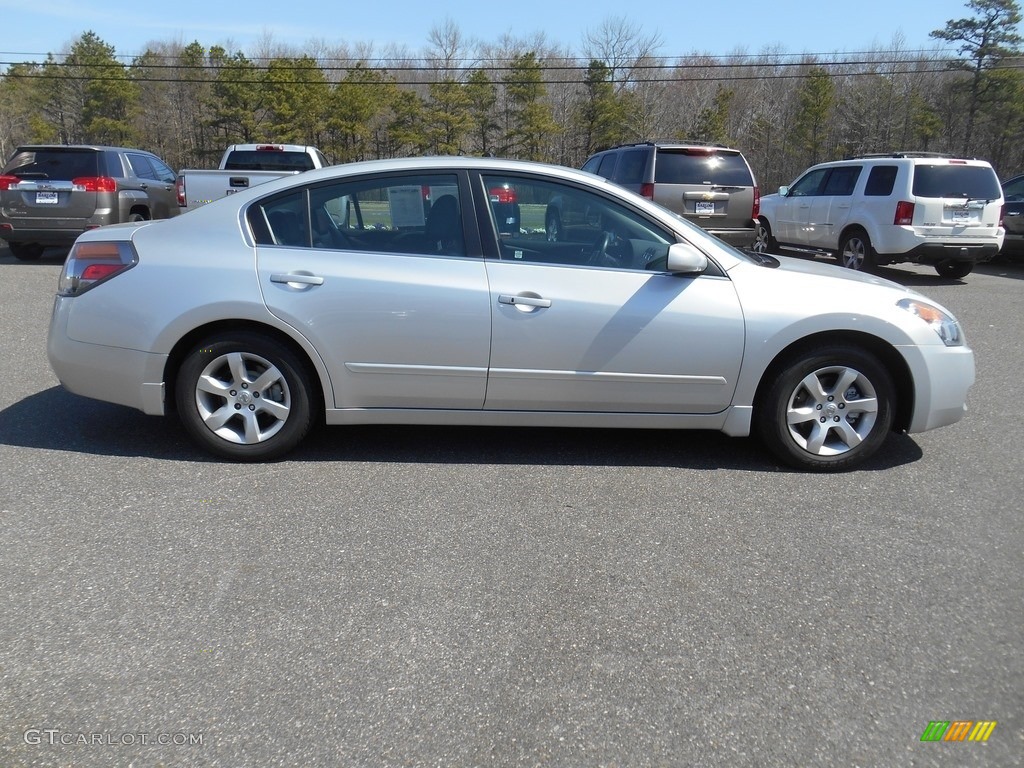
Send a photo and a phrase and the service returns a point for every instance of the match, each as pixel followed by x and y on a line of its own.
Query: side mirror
pixel 685 259
pixel 783 191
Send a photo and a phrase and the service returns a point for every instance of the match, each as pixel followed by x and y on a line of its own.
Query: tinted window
pixel 566 225
pixel 841 181
pixel 808 184
pixel 162 171
pixel 607 166
pixel 591 165
pixel 881 181
pixel 268 160
pixel 396 214
pixel 1013 191
pixel 53 164
pixel 631 166
pixel 701 166
pixel 970 181
pixel 141 166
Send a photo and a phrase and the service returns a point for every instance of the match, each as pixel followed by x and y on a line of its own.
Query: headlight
pixel 943 324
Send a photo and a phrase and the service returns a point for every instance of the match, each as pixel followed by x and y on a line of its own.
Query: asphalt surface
pixel 494 597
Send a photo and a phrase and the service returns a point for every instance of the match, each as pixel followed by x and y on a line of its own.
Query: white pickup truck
pixel 243 166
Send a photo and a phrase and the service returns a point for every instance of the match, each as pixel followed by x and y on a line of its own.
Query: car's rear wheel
pixel 244 396
pixel 855 251
pixel 764 241
pixel 26 251
pixel 828 409
pixel 954 269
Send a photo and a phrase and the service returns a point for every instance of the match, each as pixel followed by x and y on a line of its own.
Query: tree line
pixel 532 100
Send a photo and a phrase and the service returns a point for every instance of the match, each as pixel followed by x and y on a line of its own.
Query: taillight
pixel 270 148
pixel 90 263
pixel 503 194
pixel 179 186
pixel 904 214
pixel 1002 213
pixel 6 182
pixel 94 184
pixel 757 203
pixel 647 190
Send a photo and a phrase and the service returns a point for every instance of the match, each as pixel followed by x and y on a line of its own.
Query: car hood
pixel 795 265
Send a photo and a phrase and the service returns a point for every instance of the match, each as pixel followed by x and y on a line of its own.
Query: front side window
pixel 563 224
pixel 808 184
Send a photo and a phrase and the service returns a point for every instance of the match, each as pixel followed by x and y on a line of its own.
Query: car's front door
pixel 377 274
pixel 590 323
pixel 794 209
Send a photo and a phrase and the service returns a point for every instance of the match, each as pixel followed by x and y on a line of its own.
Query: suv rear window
pixel 53 164
pixel 255 160
pixel 969 181
pixel 700 166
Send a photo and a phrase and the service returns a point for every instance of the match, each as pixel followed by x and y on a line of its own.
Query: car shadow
pixel 56 420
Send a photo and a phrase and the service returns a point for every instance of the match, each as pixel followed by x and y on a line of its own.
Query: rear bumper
pixel 112 374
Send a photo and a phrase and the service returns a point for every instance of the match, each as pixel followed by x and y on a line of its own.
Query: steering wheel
pixel 599 256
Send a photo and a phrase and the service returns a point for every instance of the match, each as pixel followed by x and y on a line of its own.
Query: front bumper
pixel 942 375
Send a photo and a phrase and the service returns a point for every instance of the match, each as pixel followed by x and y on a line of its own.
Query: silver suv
pixel 710 185
pixel 881 209
pixel 50 194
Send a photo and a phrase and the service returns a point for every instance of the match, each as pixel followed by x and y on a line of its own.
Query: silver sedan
pixel 429 291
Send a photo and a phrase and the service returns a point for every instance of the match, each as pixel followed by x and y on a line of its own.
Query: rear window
pixel 53 164
pixel 975 182
pixel 701 166
pixel 256 160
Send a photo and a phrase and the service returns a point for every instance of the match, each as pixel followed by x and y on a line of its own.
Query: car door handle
pixel 525 301
pixel 291 277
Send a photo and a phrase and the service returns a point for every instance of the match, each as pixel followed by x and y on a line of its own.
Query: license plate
pixel 961 217
pixel 705 208
pixel 46 198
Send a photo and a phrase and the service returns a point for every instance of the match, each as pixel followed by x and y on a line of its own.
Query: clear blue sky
pixel 31 28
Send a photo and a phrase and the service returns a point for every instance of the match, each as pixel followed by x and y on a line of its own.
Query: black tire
pixel 222 410
pixel 954 269
pixel 26 251
pixel 135 217
pixel 855 251
pixel 834 425
pixel 764 240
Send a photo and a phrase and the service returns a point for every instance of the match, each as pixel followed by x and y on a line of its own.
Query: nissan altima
pixel 428 291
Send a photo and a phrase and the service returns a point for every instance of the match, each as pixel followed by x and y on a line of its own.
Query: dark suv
pixel 50 194
pixel 708 184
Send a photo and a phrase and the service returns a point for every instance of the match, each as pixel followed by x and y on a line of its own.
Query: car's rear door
pixel 398 311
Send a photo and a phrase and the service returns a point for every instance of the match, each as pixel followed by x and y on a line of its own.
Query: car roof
pixel 96 147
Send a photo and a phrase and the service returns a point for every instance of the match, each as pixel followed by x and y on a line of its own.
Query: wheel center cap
pixel 244 398
pixel 831 409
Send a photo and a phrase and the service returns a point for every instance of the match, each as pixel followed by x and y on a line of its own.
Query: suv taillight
pixel 93 262
pixel 94 184
pixel 904 214
pixel 757 202
pixel 179 187
pixel 503 194
pixel 6 182
pixel 647 190
pixel 1002 214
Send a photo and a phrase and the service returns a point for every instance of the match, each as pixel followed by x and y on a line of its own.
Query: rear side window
pixel 267 160
pixel 53 164
pixel 841 181
pixel 975 182
pixel 607 166
pixel 881 181
pixel 631 167
pixel 701 166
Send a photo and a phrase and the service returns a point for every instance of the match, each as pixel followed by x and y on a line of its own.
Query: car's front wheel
pixel 828 409
pixel 244 396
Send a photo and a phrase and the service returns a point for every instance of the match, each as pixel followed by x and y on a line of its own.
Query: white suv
pixel 881 209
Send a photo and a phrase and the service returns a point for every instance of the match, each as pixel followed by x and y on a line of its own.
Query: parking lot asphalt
pixel 461 597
